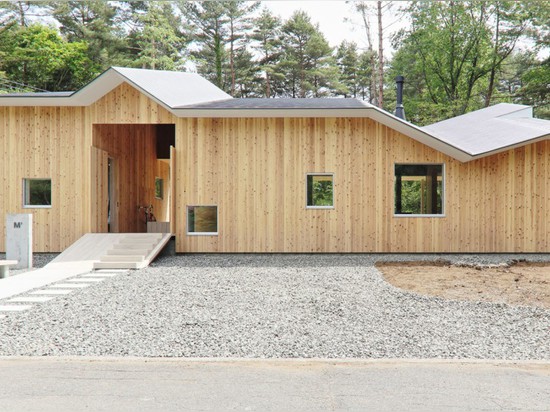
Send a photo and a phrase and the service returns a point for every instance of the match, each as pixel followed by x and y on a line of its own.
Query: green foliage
pixel 37 56
pixel 307 67
pixel 157 41
pixel 320 190
pixel 322 193
pixel 535 90
pixel 38 192
pixel 94 22
pixel 453 54
pixel 267 37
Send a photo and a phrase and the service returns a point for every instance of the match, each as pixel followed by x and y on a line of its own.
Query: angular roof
pixel 492 129
pixel 170 89
pixel 464 138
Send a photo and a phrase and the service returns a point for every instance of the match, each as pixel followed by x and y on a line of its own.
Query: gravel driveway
pixel 273 306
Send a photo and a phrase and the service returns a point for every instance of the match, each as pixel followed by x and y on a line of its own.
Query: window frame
pixel 159 188
pixel 443 190
pixel 201 233
pixel 26 188
pixel 331 174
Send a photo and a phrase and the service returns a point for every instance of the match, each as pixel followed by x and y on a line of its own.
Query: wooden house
pixel 270 175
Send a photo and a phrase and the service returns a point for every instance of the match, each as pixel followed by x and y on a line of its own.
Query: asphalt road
pixel 126 384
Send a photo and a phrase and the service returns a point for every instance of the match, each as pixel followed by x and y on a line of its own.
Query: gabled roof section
pixel 491 130
pixel 170 89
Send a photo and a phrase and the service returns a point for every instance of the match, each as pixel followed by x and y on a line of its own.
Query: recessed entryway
pixel 131 177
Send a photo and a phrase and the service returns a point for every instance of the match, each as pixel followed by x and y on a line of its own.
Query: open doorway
pixel 132 177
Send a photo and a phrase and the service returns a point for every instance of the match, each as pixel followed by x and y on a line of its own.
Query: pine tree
pixel 307 64
pixel 239 19
pixel 209 32
pixel 157 39
pixel 267 37
pixel 94 22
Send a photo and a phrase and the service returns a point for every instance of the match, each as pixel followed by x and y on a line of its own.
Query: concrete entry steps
pixel 133 251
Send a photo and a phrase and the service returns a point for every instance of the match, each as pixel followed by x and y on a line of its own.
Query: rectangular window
pixel 159 188
pixel 320 190
pixel 37 193
pixel 419 189
pixel 202 220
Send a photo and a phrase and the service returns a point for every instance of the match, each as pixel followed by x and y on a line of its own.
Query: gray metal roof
pixel 170 89
pixel 491 129
pixel 279 103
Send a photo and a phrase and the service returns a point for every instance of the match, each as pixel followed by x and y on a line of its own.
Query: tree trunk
pixel 380 57
pixel 232 58
pixel 362 8
pixel 492 74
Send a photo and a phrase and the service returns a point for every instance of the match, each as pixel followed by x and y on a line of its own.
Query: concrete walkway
pixel 102 384
pixel 77 259
pixel 51 273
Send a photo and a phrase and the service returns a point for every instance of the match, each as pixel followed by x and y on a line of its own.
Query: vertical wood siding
pixel 255 170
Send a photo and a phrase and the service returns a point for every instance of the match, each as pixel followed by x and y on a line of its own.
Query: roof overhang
pixel 168 89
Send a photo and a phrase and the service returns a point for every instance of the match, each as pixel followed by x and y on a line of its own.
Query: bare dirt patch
pixel 519 283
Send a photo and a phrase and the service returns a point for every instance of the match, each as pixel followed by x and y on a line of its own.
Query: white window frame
pixel 26 189
pixel 201 233
pixel 333 191
pixel 443 191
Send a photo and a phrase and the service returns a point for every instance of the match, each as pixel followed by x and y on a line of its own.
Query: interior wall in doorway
pixel 134 149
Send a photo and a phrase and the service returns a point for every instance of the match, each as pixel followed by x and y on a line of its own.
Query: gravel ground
pixel 275 306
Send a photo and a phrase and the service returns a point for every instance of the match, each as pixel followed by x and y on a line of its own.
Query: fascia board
pixel 86 96
pixel 511 147
pixel 24 101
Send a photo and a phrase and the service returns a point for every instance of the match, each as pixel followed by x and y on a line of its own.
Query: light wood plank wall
pixel 254 170
pixel 43 142
pixel 56 143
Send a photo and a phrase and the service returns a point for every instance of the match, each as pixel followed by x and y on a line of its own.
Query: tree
pixel 18 12
pixel 453 53
pixel 347 58
pixel 209 32
pixel 306 62
pixel 37 56
pixel 157 39
pixel 267 35
pixel 248 82
pixel 239 22
pixel 376 59
pixel 534 74
pixel 92 21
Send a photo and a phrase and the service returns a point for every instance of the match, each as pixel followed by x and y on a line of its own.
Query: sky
pixel 337 19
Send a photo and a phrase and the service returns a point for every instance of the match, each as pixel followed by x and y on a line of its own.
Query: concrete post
pixel 19 240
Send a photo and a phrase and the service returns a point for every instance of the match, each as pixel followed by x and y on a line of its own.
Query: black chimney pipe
pixel 399 109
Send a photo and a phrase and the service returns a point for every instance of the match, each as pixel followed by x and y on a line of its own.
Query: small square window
pixel 202 220
pixel 419 189
pixel 159 188
pixel 37 192
pixel 320 190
